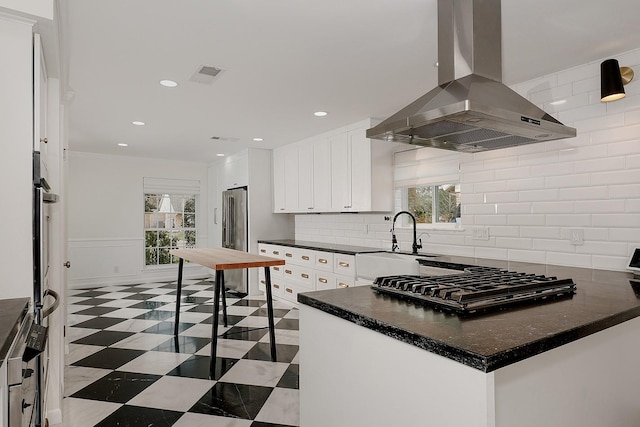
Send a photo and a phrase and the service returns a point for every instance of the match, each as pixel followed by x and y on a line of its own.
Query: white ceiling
pixel 285 59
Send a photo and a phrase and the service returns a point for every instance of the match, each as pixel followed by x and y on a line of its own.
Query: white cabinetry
pixel 306 270
pixel 341 171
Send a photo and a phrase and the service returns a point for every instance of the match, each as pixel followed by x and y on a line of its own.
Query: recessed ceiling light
pixel 137 123
pixel 258 139
pixel 220 155
pixel 168 83
pixel 122 144
pixel 320 113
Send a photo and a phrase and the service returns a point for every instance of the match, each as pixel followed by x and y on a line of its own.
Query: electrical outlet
pixel 481 233
pixel 576 236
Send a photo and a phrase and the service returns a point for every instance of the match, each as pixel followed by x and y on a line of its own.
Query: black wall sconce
pixel 612 80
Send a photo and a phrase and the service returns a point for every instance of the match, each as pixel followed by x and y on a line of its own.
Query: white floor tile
pixel 282 407
pixel 112 288
pixel 240 310
pixel 77 300
pixel 172 393
pixel 134 325
pixel 233 349
pixel 197 287
pixel 255 372
pixel 157 291
pixel 189 317
pixel 77 333
pixel 155 362
pixel 74 319
pixel 79 352
pixel 293 314
pixel 120 303
pixel 202 330
pixel 201 420
pixel 142 341
pixel 117 295
pixel 78 377
pixel 77 307
pixel 83 413
pixel 203 294
pixel 150 285
pixel 284 336
pixel 254 322
pixel 128 313
pixel 171 306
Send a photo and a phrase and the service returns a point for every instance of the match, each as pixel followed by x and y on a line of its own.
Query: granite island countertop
pixel 12 312
pixel 489 341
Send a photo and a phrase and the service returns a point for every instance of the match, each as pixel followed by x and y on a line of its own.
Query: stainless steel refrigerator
pixel 235 235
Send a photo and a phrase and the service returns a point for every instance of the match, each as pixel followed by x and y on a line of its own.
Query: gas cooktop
pixel 475 289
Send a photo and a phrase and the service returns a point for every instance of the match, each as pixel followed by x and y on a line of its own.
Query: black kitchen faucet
pixel 394 241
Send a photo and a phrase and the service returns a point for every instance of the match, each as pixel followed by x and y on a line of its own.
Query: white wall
pixel 531 197
pixel 105 213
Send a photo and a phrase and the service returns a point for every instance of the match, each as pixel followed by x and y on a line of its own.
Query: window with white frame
pixel 429 184
pixel 434 204
pixel 170 219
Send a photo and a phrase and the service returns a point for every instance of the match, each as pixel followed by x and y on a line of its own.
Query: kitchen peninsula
pixel 369 359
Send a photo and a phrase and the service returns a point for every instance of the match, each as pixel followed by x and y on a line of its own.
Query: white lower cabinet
pixel 306 270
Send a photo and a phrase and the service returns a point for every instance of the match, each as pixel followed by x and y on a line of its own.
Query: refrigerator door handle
pixel 232 223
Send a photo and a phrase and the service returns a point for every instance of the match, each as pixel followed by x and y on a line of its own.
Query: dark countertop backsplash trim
pixel 326 247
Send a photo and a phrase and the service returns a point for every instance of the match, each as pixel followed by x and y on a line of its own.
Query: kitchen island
pixel 368 359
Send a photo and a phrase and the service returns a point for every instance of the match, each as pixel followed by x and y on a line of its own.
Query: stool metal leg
pixel 179 291
pixel 272 333
pixel 218 286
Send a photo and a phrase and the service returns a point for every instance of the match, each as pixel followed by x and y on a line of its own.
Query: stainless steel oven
pixel 22 373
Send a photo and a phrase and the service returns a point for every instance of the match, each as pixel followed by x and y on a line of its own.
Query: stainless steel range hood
pixel 470 110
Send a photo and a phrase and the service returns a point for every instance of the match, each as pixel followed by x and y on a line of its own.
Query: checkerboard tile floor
pixel 125 367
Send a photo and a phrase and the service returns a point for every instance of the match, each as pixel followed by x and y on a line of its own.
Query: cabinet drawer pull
pixel 289 290
pixel 275 285
pixel 287 271
pixel 264 251
pixel 305 276
pixel 343 264
pixel 348 206
pixel 281 209
pixel 287 254
pixel 276 253
pixel 309 208
pixel 322 280
pixel 276 268
pixel 263 282
pixel 343 285
pixel 322 261
pixel 304 257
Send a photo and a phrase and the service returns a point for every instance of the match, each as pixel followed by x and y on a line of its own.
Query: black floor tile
pixel 104 338
pixel 157 315
pixel 91 294
pixel 198 367
pixel 231 320
pixel 167 328
pixel 149 305
pixel 134 416
pixel 182 344
pixel 233 400
pixel 244 333
pixel 97 311
pixel 262 351
pixel 250 303
pixel 291 324
pixel 202 308
pixel 263 424
pixel 194 300
pixel 117 387
pixel 290 379
pixel 99 323
pixel 277 312
pixel 109 358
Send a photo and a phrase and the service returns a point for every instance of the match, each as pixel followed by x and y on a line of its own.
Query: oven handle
pixel 46 312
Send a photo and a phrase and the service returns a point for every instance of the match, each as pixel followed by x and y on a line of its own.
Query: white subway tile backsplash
pixel 569 220
pixel 599 206
pixel 530 197
pixel 629 220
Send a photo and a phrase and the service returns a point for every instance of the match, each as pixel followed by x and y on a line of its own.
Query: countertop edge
pixel 15 326
pixel 473 360
pixel 317 246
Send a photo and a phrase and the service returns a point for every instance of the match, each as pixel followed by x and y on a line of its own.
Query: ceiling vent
pixel 205 74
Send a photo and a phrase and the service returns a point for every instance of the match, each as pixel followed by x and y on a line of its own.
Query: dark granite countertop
pixel 488 341
pixel 12 312
pixel 317 246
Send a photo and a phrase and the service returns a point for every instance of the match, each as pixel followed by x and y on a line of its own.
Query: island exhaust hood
pixel 471 110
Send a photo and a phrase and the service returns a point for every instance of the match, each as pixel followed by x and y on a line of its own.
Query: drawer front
pixel 273 251
pixel 298 256
pixel 325 281
pixel 344 264
pixel 344 281
pixel 290 291
pixel 323 261
pixel 300 275
pixel 276 284
pixel 277 270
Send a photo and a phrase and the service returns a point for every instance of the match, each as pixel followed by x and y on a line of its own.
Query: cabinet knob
pixel 45 140
pixel 348 207
pixel 322 261
pixel 304 257
pixel 287 254
pixel 288 271
pixel 322 280
pixel 275 285
pixel 343 264
pixel 304 276
pixel 67 264
pixel 289 290
pixel 343 285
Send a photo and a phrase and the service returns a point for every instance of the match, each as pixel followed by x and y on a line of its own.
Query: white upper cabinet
pixel 40 105
pixel 341 171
